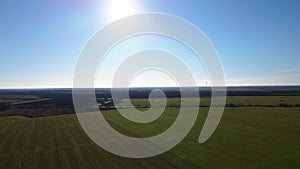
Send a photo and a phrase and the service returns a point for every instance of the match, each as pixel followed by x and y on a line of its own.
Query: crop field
pixel 247 137
pixel 16 102
pixel 239 101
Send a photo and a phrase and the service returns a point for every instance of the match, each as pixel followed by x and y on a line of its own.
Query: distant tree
pixel 230 105
pixel 285 105
pixel 4 106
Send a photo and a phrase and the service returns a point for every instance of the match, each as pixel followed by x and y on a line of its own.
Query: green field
pixel 240 101
pixel 16 102
pixel 8 101
pixel 28 101
pixel 247 137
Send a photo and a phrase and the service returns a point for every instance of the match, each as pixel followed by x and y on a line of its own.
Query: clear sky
pixel 257 41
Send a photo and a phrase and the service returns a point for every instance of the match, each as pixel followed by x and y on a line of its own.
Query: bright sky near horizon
pixel 257 41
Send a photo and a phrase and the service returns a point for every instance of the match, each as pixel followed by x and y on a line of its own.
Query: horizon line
pixel 62 87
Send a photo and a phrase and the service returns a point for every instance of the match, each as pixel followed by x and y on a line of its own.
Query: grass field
pixel 16 102
pixel 255 101
pixel 8 101
pixel 28 101
pixel 247 137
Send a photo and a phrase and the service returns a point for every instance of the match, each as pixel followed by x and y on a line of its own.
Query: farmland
pixel 237 101
pixel 264 134
pixel 246 138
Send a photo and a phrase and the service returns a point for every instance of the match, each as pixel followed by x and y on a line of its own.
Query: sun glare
pixel 116 9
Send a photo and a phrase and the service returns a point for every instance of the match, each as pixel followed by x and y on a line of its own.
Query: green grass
pixel 8 101
pixel 28 101
pixel 236 100
pixel 246 138
pixel 16 102
pixel 264 100
pixel 59 142
pixel 249 137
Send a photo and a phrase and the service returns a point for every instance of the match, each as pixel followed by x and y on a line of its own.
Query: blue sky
pixel 257 41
